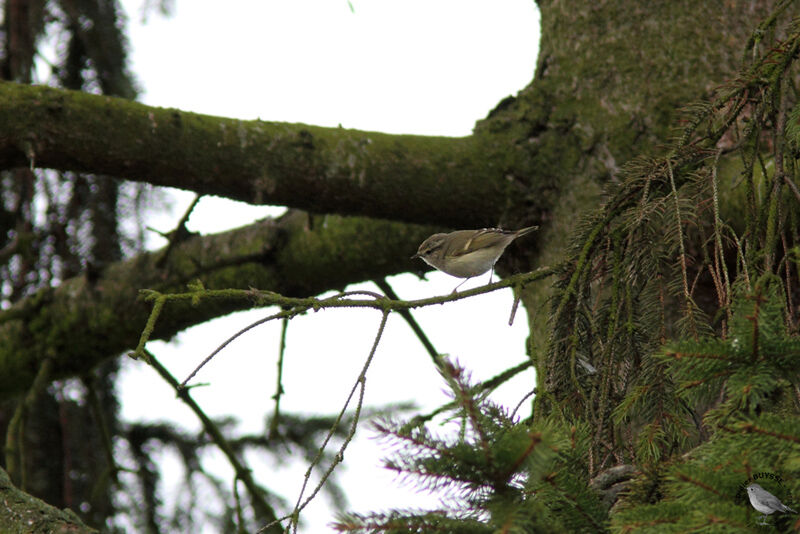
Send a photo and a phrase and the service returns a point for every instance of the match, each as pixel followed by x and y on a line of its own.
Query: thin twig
pixel 792 186
pixel 682 249
pixel 238 502
pixel 359 384
pixel 273 425
pixel 519 404
pixel 97 412
pixel 297 306
pixel 412 322
pixel 774 203
pixel 178 234
pixel 242 472
pixel 285 314
pixel 719 257
pixel 15 445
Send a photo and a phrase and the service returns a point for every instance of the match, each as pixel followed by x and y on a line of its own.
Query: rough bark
pixel 610 81
pixel 22 514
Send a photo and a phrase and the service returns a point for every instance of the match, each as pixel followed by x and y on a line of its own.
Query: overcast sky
pixel 429 67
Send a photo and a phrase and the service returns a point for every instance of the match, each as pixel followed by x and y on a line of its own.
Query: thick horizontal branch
pixel 82 322
pixel 430 180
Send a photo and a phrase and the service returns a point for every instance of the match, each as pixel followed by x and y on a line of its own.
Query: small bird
pixel 467 253
pixel 765 502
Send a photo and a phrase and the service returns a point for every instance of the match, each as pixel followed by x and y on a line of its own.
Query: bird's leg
pixel 459 285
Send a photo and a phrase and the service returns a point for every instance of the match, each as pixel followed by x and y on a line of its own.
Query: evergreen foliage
pixel 751 379
pixel 497 475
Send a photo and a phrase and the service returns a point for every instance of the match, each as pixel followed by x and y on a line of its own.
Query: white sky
pixel 401 66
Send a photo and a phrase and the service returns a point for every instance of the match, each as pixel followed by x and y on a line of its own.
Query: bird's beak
pixel 415 256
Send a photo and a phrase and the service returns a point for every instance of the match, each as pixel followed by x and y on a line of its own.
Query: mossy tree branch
pixel 323 170
pixel 80 323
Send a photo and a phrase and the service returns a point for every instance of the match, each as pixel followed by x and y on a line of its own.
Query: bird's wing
pixel 469 244
pixel 771 501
